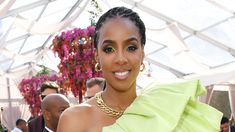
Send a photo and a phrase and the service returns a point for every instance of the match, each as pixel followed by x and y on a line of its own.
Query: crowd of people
pixel 53 104
pixel 111 103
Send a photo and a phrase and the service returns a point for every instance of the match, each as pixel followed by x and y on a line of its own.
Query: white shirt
pixel 48 129
pixel 16 130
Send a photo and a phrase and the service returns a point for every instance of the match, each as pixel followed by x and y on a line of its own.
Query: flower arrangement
pixel 77 60
pixel 30 90
pixel 77 63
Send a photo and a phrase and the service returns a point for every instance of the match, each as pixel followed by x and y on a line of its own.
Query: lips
pixel 121 74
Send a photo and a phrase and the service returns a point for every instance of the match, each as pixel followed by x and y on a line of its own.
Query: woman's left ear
pixel 143 54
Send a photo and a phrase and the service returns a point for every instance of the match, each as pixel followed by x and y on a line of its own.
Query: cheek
pixel 105 63
pixel 136 59
pixel 105 59
pixel 56 116
pixel 136 62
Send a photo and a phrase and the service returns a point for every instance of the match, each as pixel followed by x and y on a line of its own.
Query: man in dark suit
pixel 225 125
pixel 37 124
pixel 232 128
pixel 52 107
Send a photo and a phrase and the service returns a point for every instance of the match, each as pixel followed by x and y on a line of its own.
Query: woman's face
pixel 120 53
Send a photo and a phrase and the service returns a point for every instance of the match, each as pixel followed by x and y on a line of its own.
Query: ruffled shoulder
pixel 170 107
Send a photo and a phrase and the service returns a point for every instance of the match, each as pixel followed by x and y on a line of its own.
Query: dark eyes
pixel 110 49
pixel 132 48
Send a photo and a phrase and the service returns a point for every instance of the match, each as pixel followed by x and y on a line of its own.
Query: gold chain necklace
pixel 106 109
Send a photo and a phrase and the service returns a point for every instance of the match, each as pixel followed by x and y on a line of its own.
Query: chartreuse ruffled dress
pixel 169 108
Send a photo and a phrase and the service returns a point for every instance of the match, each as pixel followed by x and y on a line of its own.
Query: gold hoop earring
pixel 142 67
pixel 97 67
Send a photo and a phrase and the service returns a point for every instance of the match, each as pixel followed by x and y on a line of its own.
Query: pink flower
pixel 75 50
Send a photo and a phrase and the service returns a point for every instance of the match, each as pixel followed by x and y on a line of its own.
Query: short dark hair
pixel 224 120
pixel 96 81
pixel 19 121
pixel 51 85
pixel 122 12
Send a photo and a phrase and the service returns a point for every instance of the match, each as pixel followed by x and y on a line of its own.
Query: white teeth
pixel 121 73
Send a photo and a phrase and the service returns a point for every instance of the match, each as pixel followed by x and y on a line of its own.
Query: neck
pixel 118 100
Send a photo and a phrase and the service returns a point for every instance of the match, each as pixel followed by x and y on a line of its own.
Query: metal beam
pixel 66 16
pixel 182 26
pixel 25 53
pixel 50 36
pixel 9 99
pixel 26 38
pixel 22 37
pixel 213 2
pixel 172 70
pixel 26 7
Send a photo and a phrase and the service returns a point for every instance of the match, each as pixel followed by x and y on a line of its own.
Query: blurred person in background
pixel 21 126
pixel 52 106
pixel 225 125
pixel 93 86
pixel 37 124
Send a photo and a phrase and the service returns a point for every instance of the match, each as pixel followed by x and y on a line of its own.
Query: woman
pixel 119 46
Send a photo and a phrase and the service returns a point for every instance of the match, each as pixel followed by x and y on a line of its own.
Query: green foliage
pixel 44 71
pixel 94 11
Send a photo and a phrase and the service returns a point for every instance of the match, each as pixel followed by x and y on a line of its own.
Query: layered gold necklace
pixel 106 109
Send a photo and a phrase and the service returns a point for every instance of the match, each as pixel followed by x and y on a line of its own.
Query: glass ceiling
pixel 184 37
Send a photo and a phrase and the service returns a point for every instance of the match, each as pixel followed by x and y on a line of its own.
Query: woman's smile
pixel 121 75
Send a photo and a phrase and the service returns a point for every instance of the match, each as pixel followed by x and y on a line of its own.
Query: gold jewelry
pixel 142 66
pixel 106 109
pixel 97 67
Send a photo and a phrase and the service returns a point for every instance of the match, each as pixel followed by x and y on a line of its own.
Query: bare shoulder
pixel 75 118
pixel 78 109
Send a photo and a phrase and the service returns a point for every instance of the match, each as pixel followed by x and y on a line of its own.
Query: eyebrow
pixel 108 41
pixel 128 40
pixel 131 39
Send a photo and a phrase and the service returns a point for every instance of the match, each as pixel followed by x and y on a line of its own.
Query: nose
pixel 121 58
